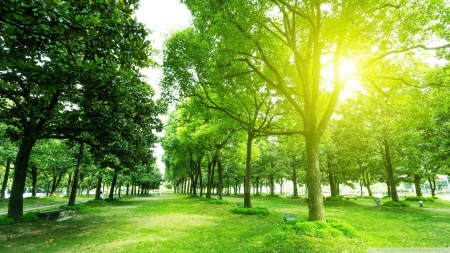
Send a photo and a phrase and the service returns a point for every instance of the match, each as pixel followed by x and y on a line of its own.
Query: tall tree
pixel 59 59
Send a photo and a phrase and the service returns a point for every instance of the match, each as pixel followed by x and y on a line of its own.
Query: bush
pixel 113 199
pixel 217 202
pixel 333 228
pixel 295 197
pixel 272 195
pixel 29 217
pixel 262 211
pixel 32 197
pixel 343 227
pixel 4 200
pixel 395 204
pixel 337 198
pixel 5 220
pixel 74 207
pixel 418 198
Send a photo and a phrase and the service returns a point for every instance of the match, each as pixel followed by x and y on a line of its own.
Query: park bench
pixel 289 217
pixel 47 215
pixel 239 204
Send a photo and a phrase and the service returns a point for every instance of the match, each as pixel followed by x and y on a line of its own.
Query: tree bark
pixel 34 173
pixel 220 178
pixel 432 182
pixel 98 189
pixel 248 159
pixel 333 184
pixel 5 179
pixel 15 206
pixel 76 176
pixel 417 180
pixel 366 181
pixel 113 185
pixel 315 198
pixel 390 171
pixel 294 181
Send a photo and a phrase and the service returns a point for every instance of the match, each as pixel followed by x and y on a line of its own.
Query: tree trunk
pixel 76 176
pixel 5 180
pixel 210 178
pixel 294 181
pixel 248 159
pixel 390 171
pixel 113 185
pixel 432 182
pixel 34 174
pixel 315 198
pixel 15 206
pixel 128 188
pixel 98 189
pixel 417 180
pixel 69 182
pixel 56 181
pixel 333 184
pixel 220 178
pixel 272 185
pixel 366 182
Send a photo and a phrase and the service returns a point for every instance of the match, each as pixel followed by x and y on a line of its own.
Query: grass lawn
pixel 177 223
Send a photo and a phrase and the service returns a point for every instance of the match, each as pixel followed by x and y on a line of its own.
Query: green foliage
pixel 260 211
pixel 4 200
pixel 295 197
pixel 32 197
pixel 418 198
pixel 29 217
pixel 272 195
pixel 217 202
pixel 337 198
pixel 343 226
pixel 5 220
pixel 74 207
pixel 396 204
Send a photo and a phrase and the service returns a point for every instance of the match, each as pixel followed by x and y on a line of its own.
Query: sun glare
pixel 352 86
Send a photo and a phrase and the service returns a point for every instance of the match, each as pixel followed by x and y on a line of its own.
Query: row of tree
pixel 70 71
pixel 280 68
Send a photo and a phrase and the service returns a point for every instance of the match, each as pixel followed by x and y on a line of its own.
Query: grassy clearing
pixel 176 223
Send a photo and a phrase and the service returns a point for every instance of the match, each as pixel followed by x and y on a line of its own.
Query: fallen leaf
pixel 88 233
pixel 50 240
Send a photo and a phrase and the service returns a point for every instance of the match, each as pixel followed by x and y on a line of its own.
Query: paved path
pixel 36 207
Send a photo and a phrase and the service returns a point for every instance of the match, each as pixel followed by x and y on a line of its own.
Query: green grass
pixel 177 223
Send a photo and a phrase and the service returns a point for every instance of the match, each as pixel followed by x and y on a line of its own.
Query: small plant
pixel 32 197
pixel 295 197
pixel 332 228
pixel 217 202
pixel 272 195
pixel 396 204
pixel 262 211
pixel 418 198
pixel 337 198
pixel 5 220
pixel 29 217
pixel 4 200
pixel 74 207
pixel 343 226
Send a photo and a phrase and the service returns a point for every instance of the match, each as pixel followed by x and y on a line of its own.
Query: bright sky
pixel 162 17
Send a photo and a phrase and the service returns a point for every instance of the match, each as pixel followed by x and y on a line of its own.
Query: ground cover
pixel 177 223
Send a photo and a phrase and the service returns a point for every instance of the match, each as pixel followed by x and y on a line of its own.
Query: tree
pixel 289 44
pixel 60 59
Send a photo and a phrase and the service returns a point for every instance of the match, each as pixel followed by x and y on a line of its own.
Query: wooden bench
pixel 239 204
pixel 47 215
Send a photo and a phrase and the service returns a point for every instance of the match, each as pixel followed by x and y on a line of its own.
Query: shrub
pixel 418 198
pixel 272 195
pixel 395 204
pixel 4 200
pixel 257 195
pixel 295 197
pixel 343 227
pixel 262 211
pixel 217 202
pixel 337 198
pixel 333 228
pixel 113 199
pixel 29 217
pixel 74 207
pixel 32 197
pixel 5 220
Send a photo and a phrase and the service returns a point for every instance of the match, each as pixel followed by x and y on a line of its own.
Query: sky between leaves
pixel 162 17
